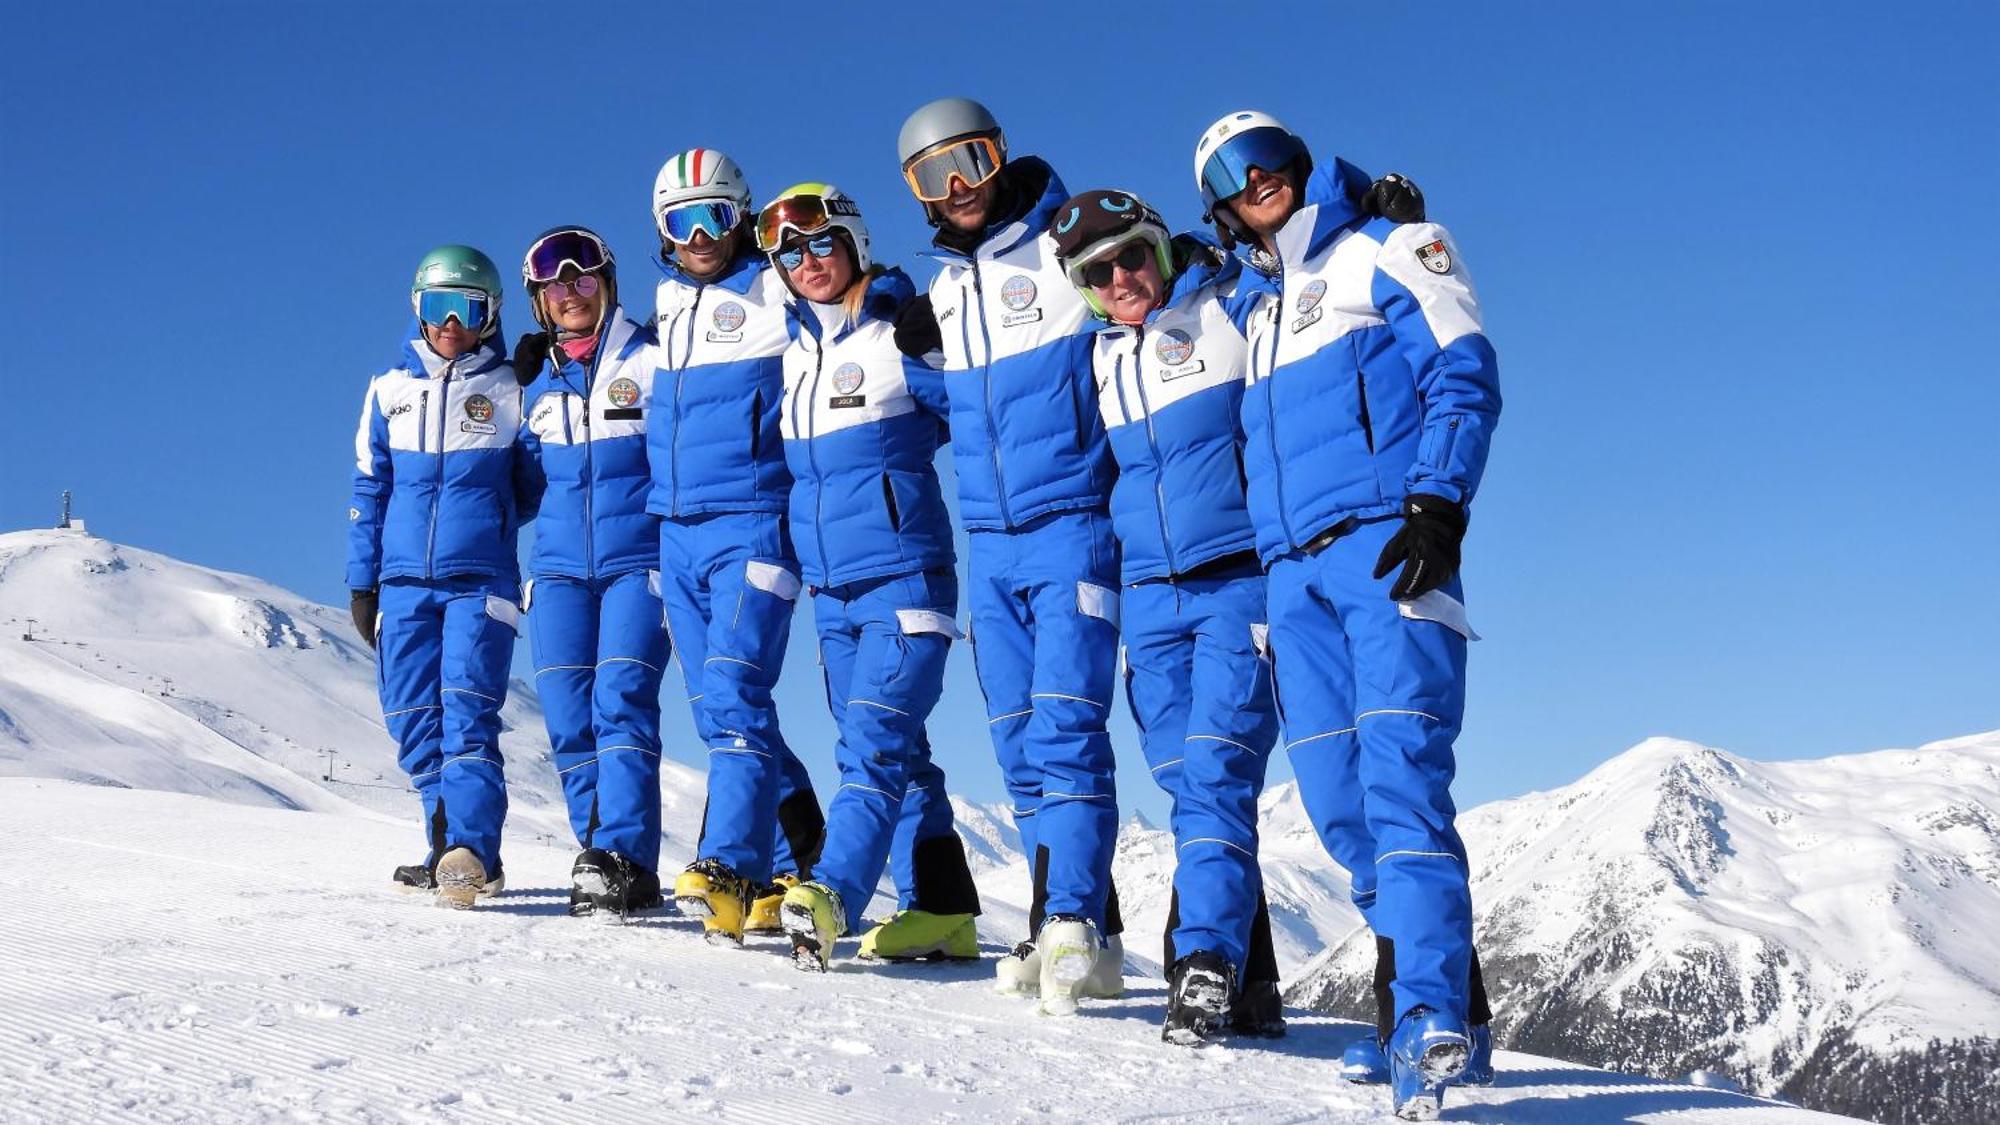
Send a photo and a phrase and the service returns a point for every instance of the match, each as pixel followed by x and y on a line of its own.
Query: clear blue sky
pixel 1737 260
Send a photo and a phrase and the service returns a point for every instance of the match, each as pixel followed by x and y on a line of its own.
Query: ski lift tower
pixel 69 522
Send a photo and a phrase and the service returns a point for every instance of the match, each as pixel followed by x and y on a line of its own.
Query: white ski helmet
pixel 1232 146
pixel 810 208
pixel 696 175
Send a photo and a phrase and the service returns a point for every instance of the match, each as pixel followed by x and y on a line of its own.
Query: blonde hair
pixel 858 292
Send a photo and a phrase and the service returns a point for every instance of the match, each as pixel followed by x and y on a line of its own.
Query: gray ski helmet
pixel 946 119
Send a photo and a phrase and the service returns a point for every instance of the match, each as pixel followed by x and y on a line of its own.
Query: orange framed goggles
pixel 971 161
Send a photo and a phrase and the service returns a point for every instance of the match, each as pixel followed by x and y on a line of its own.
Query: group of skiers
pixel 1250 457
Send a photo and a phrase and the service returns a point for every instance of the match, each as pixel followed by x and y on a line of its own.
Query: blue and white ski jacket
pixel 1016 367
pixel 440 485
pixel 1370 376
pixel 714 444
pixel 586 433
pixel 866 502
pixel 1170 391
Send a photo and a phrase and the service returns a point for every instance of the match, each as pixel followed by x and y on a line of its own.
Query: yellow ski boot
pixel 710 891
pixel 764 911
pixel 917 935
pixel 813 919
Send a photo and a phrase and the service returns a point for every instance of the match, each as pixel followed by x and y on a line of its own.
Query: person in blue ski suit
pixel 1371 402
pixel 593 598
pixel 719 488
pixel 441 486
pixel 875 548
pixel 1169 375
pixel 1009 338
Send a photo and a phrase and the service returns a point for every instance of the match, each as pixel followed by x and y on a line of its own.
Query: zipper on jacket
pixel 992 427
pixel 756 431
pixel 889 499
pixel 1153 442
pixel 680 377
pixel 1361 388
pixel 1271 409
pixel 812 455
pixel 437 493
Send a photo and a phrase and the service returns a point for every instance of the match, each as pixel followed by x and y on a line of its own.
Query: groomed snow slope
pixel 178 958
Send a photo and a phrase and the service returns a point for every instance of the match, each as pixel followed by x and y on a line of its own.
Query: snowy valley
pixel 195 762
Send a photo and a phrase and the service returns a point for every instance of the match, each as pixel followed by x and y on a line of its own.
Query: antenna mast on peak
pixel 69 522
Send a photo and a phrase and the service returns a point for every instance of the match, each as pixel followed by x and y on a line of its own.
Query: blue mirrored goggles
pixel 714 216
pixel 470 306
pixel 1227 171
pixel 794 256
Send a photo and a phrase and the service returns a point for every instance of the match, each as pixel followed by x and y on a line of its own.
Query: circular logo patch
pixel 847 378
pixel 622 392
pixel 1174 348
pixel 728 316
pixel 1019 292
pixel 1310 296
pixel 479 408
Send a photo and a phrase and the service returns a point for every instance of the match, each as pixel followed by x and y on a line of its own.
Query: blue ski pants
pixel 729 581
pixel 883 644
pixel 1371 700
pixel 1044 601
pixel 599 650
pixel 1200 692
pixel 442 651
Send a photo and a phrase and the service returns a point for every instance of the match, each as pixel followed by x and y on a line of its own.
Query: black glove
pixel 530 352
pixel 1426 547
pixel 1395 198
pixel 364 604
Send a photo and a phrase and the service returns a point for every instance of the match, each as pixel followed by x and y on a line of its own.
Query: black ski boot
pixel 415 877
pixel 596 882
pixel 1259 1011
pixel 1199 987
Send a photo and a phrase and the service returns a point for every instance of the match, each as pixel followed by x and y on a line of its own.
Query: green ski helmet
pixel 464 270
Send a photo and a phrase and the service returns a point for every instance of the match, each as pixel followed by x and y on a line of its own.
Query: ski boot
pixel 1259 1011
pixel 813 918
pixel 461 879
pixel 1198 991
pixel 710 891
pixel 1428 1050
pixel 1479 1060
pixel 1364 1063
pixel 763 917
pixel 915 935
pixel 1069 951
pixel 414 877
pixel 608 883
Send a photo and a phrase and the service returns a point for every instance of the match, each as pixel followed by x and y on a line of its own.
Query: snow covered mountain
pixel 1821 930
pixel 151 673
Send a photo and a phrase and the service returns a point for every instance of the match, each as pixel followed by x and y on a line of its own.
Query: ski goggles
pixel 470 306
pixel 1226 172
pixel 578 248
pixel 971 162
pixel 714 217
pixel 794 255
pixel 1132 256
pixel 801 214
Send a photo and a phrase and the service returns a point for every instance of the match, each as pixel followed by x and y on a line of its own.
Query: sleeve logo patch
pixel 1435 256
pixel 847 378
pixel 479 408
pixel 622 392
